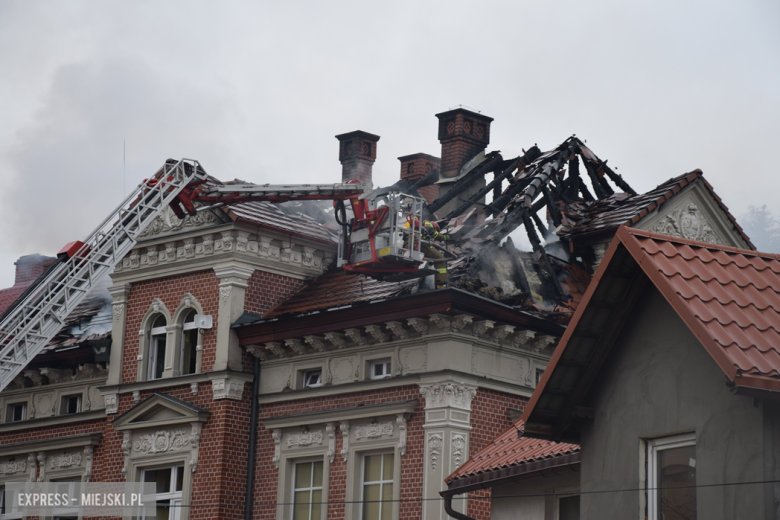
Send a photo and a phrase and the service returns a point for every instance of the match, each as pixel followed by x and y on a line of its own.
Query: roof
pixel 8 296
pixel 621 209
pixel 728 297
pixel 509 450
pixel 336 289
pixel 270 216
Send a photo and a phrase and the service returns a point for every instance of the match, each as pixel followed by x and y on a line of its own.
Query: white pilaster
pixel 232 290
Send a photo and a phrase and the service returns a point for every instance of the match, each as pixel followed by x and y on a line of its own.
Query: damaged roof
pixel 728 297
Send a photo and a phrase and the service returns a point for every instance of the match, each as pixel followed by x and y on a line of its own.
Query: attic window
pixel 380 369
pixel 312 378
pixel 70 404
pixel 16 412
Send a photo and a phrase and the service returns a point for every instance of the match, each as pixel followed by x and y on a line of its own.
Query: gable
pixel 695 214
pixel 159 409
pixel 167 223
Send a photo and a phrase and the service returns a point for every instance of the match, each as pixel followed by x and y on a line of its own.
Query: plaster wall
pixel 534 499
pixel 660 381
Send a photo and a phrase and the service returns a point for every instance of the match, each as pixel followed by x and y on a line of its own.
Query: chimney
pixel 357 153
pixel 417 166
pixel 462 134
pixel 30 267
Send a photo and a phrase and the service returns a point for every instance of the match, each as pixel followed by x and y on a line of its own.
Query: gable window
pixel 15 412
pixel 671 477
pixel 312 378
pixel 157 347
pixel 377 492
pixel 168 486
pixel 70 404
pixel 189 344
pixel 307 491
pixel 380 369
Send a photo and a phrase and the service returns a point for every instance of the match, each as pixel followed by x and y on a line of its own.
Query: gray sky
pixel 257 90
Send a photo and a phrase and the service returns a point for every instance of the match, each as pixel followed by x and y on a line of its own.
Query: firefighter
pixel 430 232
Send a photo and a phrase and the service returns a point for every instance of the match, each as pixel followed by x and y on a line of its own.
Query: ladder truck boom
pixel 28 327
pixel 381 245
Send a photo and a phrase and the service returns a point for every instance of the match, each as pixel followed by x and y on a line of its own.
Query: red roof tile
pixel 8 296
pixel 510 450
pixel 728 297
pixel 336 289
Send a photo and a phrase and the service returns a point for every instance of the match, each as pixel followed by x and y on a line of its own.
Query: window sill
pixel 55 420
pixel 167 382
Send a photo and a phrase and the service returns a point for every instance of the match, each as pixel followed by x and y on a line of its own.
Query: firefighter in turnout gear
pixel 430 232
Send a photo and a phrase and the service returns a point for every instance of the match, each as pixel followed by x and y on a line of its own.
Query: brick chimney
pixel 30 267
pixel 417 166
pixel 462 134
pixel 357 153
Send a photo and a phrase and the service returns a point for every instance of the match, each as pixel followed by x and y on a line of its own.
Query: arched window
pixel 189 342
pixel 157 346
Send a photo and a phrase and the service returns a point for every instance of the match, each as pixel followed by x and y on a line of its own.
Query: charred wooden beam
pixel 573 182
pixel 601 193
pixel 537 246
pixel 555 214
pixel 617 179
pixel 494 184
pixel 469 179
pixel 514 255
pixel 586 194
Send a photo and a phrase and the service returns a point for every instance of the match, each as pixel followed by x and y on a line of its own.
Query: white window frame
pixel 306 374
pixel 9 414
pixel 293 489
pixel 156 334
pixel 381 482
pixel 192 325
pixel 653 447
pixel 175 497
pixel 68 396
pixel 388 366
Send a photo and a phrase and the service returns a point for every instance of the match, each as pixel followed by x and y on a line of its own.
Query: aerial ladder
pixel 373 241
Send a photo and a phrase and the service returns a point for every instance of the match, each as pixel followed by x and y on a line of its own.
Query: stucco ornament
pixel 194 445
pixel 401 420
pixel 306 438
pixel 316 342
pixel 376 333
pixel 374 430
pixel 33 467
pixel 456 395
pixel 65 460
pixel 336 339
pixel 88 456
pixel 42 466
pixel 119 310
pixel 277 435
pixel 442 321
pixel 330 429
pixel 344 427
pixel 458 450
pixel 168 222
pixel 419 324
pixel 224 292
pixel 397 328
pixel 127 446
pixel 688 223
pixel 434 449
pixel 296 345
pixel 11 467
pixel 523 337
pixel 356 336
pixel 162 441
pixel 460 322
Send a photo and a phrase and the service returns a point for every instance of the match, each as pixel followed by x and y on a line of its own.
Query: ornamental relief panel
pixel 168 222
pixel 374 430
pixel 66 460
pixel 162 441
pixel 305 438
pixel 13 466
pixel 690 223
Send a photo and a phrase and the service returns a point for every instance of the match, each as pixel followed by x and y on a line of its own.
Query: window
pixel 671 478
pixel 70 404
pixel 569 508
pixel 312 378
pixel 380 369
pixel 157 348
pixel 307 491
pixel 16 412
pixel 539 374
pixel 377 494
pixel 189 343
pixel 169 484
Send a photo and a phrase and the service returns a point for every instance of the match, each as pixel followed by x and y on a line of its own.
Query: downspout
pixel 250 474
pixel 447 495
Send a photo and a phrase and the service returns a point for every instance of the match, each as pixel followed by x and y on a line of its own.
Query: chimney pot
pixel 357 153
pixel 462 134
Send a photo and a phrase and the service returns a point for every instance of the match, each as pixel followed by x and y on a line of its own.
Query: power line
pixel 460 497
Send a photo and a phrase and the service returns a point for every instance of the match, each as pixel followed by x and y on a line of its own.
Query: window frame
pixel 356 467
pixel 286 483
pixel 293 489
pixel 306 374
pixel 653 447
pixel 9 413
pixel 387 362
pixel 186 327
pixel 63 397
pixel 155 335
pixel 558 503
pixel 381 482
pixel 172 496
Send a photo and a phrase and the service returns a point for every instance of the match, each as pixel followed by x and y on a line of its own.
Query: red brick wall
pixel 267 289
pixel 203 285
pixel 489 418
